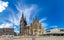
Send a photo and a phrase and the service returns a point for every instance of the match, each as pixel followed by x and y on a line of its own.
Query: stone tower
pixel 23 24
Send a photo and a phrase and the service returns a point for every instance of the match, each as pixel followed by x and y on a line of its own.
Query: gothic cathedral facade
pixel 35 27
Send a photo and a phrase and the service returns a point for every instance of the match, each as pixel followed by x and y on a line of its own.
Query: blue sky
pixel 50 13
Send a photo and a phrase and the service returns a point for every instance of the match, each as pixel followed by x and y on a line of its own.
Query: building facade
pixel 6 31
pixel 35 27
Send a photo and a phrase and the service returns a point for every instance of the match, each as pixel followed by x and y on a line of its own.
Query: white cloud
pixel 27 11
pixel 41 20
pixel 6 25
pixel 53 26
pixel 44 24
pixel 15 19
pixel 3 5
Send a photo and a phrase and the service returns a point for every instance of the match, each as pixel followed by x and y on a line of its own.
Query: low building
pixel 56 32
pixel 6 31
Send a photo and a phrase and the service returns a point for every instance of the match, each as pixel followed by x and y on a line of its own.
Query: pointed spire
pixel 22 15
pixel 23 19
pixel 35 19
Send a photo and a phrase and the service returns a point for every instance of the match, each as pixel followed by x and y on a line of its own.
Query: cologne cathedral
pixel 35 27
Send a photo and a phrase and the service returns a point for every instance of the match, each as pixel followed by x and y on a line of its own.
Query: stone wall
pixel 31 38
